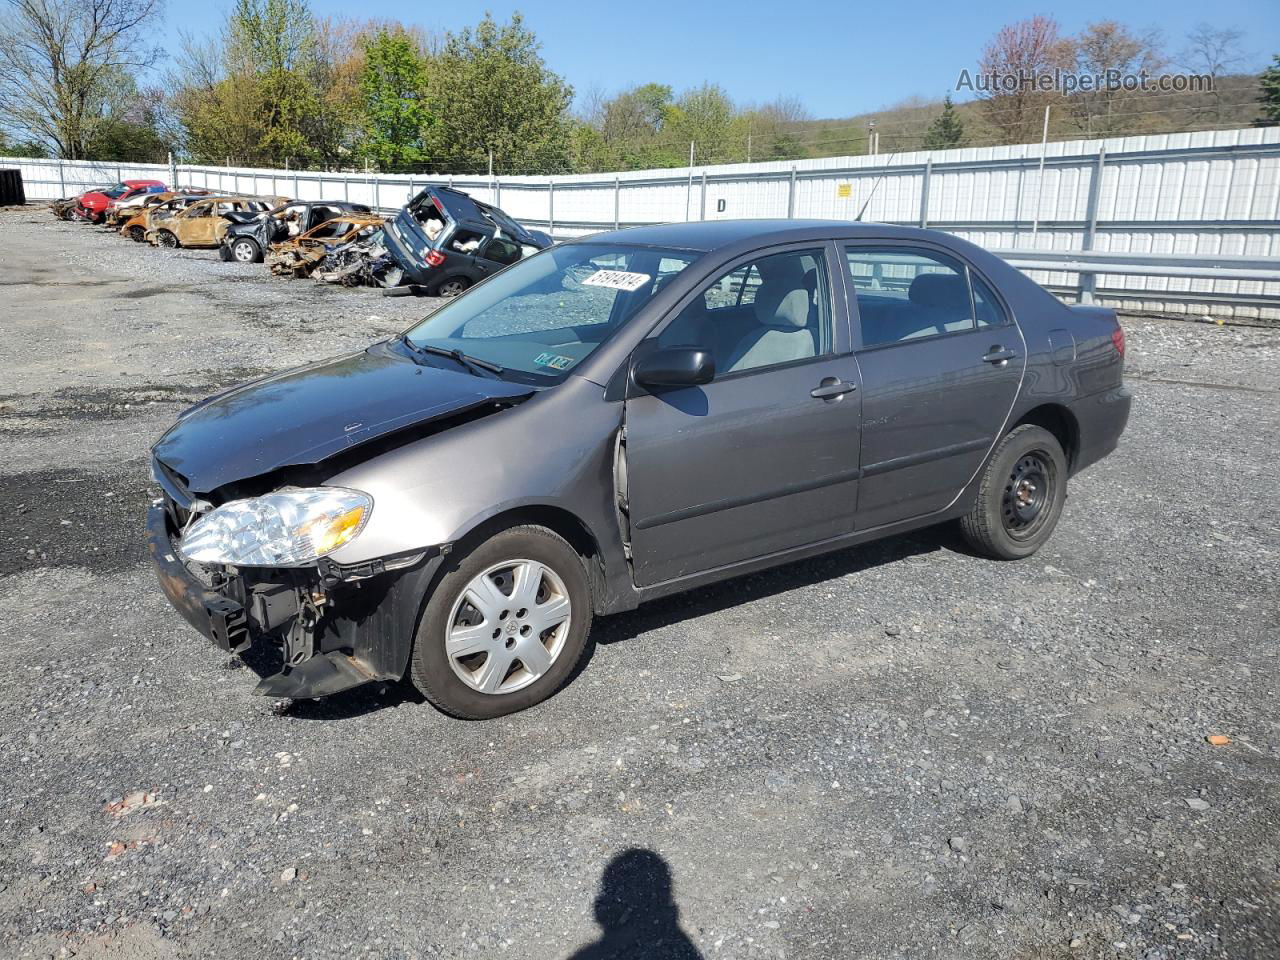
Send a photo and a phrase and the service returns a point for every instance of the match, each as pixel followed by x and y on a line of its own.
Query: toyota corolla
pixel 615 420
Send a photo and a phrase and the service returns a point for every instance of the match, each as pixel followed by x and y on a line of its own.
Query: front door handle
pixel 832 389
pixel 999 356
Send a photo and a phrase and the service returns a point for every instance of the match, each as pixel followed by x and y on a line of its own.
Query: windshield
pixel 543 316
pixel 115 191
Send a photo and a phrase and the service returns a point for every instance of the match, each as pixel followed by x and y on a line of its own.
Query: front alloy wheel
pixel 504 626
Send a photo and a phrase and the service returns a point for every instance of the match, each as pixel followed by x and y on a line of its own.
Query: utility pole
pixel 1044 143
pixel 748 144
pixel 873 138
pixel 490 163
pixel 688 193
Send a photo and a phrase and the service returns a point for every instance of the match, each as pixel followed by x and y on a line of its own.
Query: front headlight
pixel 288 528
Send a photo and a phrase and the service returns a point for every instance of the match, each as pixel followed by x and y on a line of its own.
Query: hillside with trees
pixel 279 86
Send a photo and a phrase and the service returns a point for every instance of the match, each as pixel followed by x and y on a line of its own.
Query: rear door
pixel 765 457
pixel 937 384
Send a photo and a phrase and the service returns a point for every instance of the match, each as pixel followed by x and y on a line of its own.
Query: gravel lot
pixel 896 751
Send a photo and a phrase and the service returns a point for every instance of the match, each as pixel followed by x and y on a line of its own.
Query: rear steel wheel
pixel 1020 495
pixel 1022 508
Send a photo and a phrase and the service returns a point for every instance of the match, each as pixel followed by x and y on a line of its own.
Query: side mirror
pixel 675 367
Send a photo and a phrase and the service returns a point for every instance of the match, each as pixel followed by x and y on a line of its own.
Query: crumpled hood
pixel 305 415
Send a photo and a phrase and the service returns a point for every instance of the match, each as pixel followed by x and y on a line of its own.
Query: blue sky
pixel 838 58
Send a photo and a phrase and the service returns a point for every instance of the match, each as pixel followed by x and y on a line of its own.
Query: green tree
pixel 702 116
pixel 393 92
pixel 491 91
pixel 946 130
pixel 1269 83
pixel 259 96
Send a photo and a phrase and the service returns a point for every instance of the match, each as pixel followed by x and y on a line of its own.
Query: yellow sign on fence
pixel 844 190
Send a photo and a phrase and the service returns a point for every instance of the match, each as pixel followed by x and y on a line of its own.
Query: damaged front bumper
pixel 337 626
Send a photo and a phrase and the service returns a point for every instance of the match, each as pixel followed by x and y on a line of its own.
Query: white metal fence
pixel 1206 195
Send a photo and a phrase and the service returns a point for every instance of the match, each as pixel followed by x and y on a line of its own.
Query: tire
pixel 451 287
pixel 1020 496
pixel 451 680
pixel 137 234
pixel 245 250
pixel 166 238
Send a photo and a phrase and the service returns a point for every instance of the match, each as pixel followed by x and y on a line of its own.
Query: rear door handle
pixel 832 389
pixel 999 356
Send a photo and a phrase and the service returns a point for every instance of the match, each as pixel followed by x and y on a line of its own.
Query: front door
pixel 941 362
pixel 765 457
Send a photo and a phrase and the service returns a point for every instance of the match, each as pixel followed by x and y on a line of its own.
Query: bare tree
pixel 57 58
pixel 1020 53
pixel 1213 52
pixel 1111 51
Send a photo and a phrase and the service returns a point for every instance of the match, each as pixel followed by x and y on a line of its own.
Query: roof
pixel 714 234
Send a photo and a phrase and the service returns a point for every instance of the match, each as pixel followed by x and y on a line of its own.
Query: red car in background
pixel 93 205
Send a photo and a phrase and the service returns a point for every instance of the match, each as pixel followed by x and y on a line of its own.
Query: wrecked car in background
pixel 67 208
pixel 619 419
pixel 166 204
pixel 122 210
pixel 202 224
pixel 445 241
pixel 94 203
pixel 250 235
pixel 365 262
pixel 299 256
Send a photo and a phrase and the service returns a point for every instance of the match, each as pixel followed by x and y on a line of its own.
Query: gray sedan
pixel 615 420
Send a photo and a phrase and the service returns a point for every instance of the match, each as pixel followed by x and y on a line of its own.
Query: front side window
pixel 541 317
pixel 907 293
pixel 770 311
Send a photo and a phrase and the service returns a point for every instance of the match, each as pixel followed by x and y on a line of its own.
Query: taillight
pixel 1117 337
pixel 434 258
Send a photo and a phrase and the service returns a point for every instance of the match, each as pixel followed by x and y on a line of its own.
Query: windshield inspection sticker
pixel 554 361
pixel 617 280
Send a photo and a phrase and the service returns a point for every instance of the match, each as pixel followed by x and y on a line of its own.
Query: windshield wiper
pixel 457 356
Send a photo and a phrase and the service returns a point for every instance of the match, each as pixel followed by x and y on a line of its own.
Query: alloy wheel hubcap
pixel 508 626
pixel 1026 494
pixel 244 252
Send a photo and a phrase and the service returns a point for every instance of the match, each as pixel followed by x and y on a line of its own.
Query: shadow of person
pixel 637 912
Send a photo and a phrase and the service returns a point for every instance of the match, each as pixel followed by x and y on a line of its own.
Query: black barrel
pixel 11 191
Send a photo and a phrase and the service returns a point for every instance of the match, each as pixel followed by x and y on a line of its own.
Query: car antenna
pixel 875 186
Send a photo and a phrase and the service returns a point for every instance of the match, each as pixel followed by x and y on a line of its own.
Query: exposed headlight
pixel 289 528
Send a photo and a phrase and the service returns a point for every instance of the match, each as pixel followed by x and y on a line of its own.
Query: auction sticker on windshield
pixel 617 280
pixel 554 361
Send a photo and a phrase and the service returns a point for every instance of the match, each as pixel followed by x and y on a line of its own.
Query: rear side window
pixel 986 308
pixel 906 293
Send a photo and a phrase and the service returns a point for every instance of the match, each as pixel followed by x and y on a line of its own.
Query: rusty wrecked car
pixel 202 224
pixel 252 234
pixel 136 226
pixel 120 212
pixel 301 255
